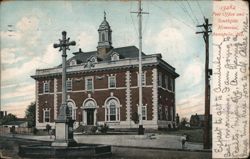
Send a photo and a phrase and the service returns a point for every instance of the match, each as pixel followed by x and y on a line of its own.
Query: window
pixel 171 84
pixel 166 81
pixel 89 84
pixel 103 37
pixel 144 113
pixel 69 85
pixel 112 111
pixel 112 81
pixel 72 62
pixel 46 115
pixel 72 111
pixel 171 113
pixel 46 87
pixel 115 57
pixel 159 112
pixel 166 112
pixel 160 79
pixel 93 59
pixel 143 79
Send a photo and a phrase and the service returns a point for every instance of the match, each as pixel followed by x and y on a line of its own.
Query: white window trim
pixel 72 62
pixel 160 79
pixel 145 79
pixel 46 110
pixel 166 82
pixel 93 59
pixel 160 112
pixel 172 84
pixel 69 80
pixel 115 57
pixel 109 79
pixel 73 115
pixel 118 110
pixel 166 113
pixel 146 111
pixel 86 83
pixel 172 113
pixel 44 86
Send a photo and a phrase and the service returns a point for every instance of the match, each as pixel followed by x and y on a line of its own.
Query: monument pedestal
pixel 64 133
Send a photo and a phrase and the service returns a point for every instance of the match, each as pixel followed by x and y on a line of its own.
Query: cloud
pixel 23 90
pixel 11 85
pixel 27 24
pixel 26 31
pixel 6 35
pixel 49 58
pixel 192 74
pixel 190 105
pixel 8 56
pixel 86 41
pixel 170 41
pixel 17 108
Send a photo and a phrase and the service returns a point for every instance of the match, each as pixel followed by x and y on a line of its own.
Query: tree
pixel 30 114
pixel 8 118
pixel 183 122
pixel 48 128
pixel 135 117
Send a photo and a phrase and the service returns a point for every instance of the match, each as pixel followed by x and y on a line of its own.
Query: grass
pixel 195 135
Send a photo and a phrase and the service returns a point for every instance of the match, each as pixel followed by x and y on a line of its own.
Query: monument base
pixel 77 151
pixel 64 133
pixel 140 130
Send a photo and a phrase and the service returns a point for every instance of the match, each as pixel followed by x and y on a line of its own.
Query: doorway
pixel 90 116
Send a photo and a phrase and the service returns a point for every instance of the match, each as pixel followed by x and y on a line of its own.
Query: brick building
pixel 102 87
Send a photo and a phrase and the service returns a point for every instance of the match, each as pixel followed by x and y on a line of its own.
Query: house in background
pixel 19 123
pixel 3 114
pixel 102 87
pixel 199 120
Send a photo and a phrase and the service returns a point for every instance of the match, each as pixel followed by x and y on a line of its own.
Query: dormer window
pixel 72 62
pixel 115 57
pixel 93 59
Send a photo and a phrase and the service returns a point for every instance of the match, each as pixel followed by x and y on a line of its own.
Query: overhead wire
pixel 185 10
pixel 136 31
pixel 197 2
pixel 192 12
pixel 146 21
pixel 191 27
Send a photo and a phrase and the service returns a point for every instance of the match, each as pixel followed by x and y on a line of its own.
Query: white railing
pixel 111 64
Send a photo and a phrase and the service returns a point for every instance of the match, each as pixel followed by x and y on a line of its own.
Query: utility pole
pixel 139 12
pixel 208 73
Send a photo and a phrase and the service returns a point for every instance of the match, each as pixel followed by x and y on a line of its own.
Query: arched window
pixel 72 110
pixel 112 110
pixel 90 104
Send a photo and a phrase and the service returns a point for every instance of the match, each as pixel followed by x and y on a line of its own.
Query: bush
pixel 35 130
pixel 93 129
pixel 103 128
pixel 135 117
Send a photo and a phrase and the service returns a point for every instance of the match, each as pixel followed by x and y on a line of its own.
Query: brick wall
pixel 101 93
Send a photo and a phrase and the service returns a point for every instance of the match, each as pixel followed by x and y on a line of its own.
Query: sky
pixel 29 29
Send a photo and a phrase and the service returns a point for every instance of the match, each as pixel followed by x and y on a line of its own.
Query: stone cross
pixel 64 45
pixel 64 124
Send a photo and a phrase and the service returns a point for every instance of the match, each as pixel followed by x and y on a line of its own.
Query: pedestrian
pixel 183 141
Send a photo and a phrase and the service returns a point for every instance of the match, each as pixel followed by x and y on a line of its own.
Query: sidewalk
pixel 158 141
pixel 144 141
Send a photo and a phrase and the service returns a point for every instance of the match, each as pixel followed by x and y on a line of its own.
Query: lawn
pixel 195 135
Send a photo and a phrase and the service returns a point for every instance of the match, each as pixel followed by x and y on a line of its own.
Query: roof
pixel 124 52
pixel 15 122
pixel 199 117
